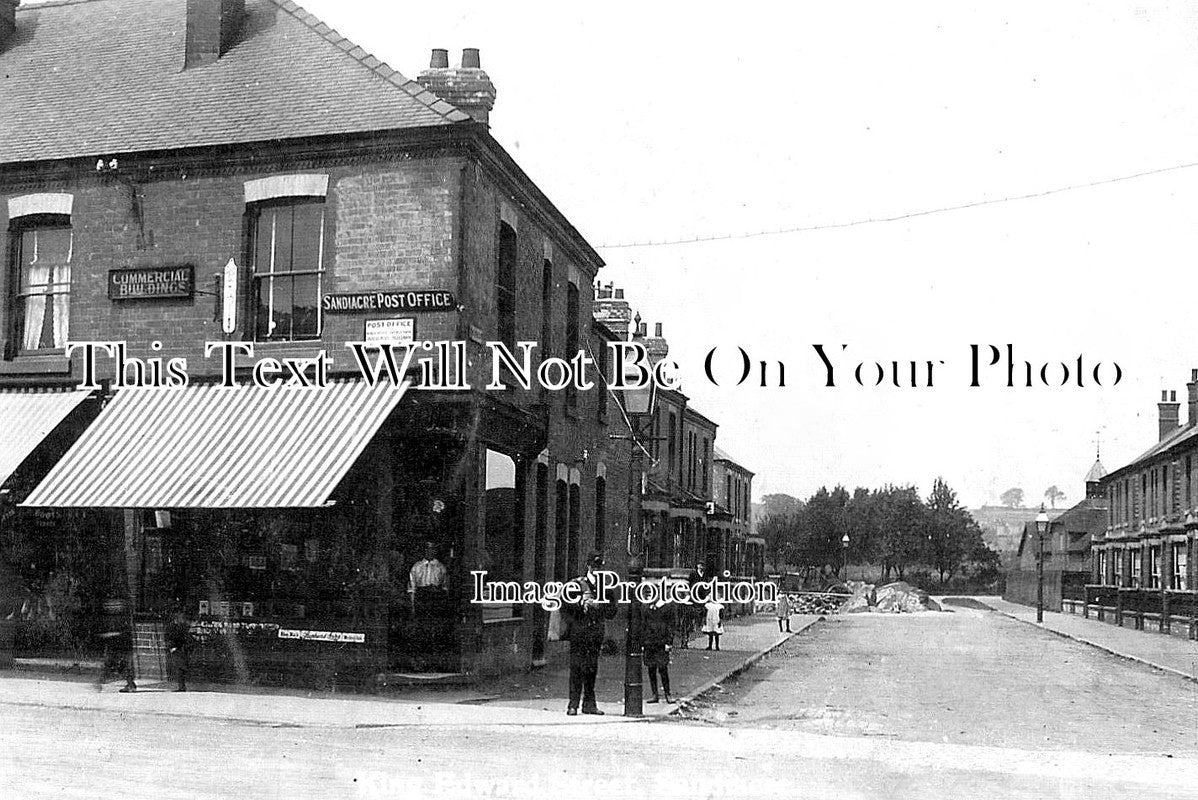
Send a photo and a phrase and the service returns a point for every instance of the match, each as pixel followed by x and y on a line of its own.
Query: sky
pixel 669 121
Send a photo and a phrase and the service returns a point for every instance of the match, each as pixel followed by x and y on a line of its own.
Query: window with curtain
pixel 43 250
pixel 287 261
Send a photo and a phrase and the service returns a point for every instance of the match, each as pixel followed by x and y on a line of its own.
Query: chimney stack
pixel 1192 388
pixel 467 87
pixel 656 345
pixel 613 310
pixel 1169 416
pixel 211 28
pixel 8 19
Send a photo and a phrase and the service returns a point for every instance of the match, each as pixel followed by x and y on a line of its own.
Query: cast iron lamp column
pixel 1041 529
pixel 844 546
pixel 639 405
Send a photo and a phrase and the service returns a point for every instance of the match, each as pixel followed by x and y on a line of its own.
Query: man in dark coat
pixel 689 616
pixel 117 637
pixel 178 642
pixel 657 633
pixel 586 628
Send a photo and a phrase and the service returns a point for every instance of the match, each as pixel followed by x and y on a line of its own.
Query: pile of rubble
pixel 815 602
pixel 899 597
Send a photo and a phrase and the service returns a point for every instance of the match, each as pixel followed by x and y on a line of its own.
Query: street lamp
pixel 844 546
pixel 639 405
pixel 1041 529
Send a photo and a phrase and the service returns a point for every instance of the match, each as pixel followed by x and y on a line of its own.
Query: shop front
pixel 310 537
pixel 282 524
pixel 55 568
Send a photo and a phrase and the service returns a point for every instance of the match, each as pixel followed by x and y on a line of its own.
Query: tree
pixel 900 520
pixel 1052 494
pixel 826 522
pixel 1012 497
pixel 780 532
pixel 779 505
pixel 863 526
pixel 953 535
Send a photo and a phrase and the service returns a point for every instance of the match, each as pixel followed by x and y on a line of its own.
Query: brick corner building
pixel 234 171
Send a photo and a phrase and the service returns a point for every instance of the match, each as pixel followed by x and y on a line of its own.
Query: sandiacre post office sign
pixel 410 300
pixel 151 283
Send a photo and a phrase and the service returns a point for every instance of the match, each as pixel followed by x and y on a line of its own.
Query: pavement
pixel 520 699
pixel 1165 652
pixel 693 671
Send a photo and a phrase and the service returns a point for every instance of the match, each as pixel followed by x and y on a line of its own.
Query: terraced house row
pixel 187 172
pixel 1143 562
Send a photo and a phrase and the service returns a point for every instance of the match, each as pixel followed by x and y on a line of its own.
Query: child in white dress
pixel 712 625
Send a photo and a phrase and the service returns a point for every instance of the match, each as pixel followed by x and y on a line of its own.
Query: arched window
pixel 546 343
pixel 600 513
pixel 505 286
pixel 571 338
pixel 561 530
pixel 572 558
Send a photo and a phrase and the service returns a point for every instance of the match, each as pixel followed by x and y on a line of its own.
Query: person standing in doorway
pixel 586 629
pixel 427 581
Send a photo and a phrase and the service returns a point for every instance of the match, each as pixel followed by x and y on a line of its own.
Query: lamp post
pixel 638 406
pixel 1041 529
pixel 844 546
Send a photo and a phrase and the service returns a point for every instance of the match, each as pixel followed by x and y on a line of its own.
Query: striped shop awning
pixel 26 418
pixel 209 446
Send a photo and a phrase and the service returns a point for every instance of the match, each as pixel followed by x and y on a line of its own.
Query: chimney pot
pixel 1164 395
pixel 657 330
pixel 619 294
pixel 1172 396
pixel 467 87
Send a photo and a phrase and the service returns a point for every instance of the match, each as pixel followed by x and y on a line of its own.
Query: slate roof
pixel 91 78
pixel 1089 517
pixel 1183 435
pixel 722 455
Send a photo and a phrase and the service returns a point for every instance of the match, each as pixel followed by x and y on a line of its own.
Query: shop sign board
pixel 323 636
pixel 151 283
pixel 412 301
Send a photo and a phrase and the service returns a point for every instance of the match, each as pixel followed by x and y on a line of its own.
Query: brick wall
pixel 389 225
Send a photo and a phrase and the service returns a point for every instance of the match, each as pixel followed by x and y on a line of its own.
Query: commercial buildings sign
pixel 151 283
pixel 411 301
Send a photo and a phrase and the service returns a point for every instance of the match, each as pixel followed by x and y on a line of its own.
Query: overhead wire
pixel 900 217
